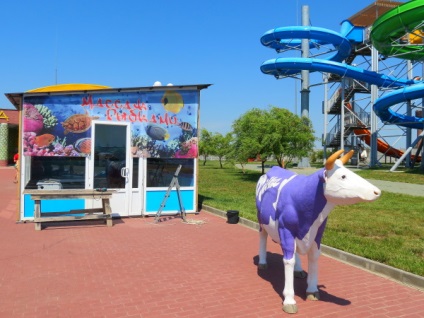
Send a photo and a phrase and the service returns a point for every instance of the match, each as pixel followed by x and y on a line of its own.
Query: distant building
pixel 9 130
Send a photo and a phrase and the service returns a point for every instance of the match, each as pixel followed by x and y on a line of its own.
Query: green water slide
pixel 400 31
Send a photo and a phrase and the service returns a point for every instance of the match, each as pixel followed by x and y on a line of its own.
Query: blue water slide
pixel 288 37
pixel 282 38
pixel 283 66
pixel 355 34
pixel 383 104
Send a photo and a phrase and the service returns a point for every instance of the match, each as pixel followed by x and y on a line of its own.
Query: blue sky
pixel 132 43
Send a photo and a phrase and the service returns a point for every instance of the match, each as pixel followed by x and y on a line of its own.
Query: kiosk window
pixel 56 172
pixel 161 171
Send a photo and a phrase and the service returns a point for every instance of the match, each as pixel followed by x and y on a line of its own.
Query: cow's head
pixel 343 186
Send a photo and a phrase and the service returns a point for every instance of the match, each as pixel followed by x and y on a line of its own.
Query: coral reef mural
pixel 163 123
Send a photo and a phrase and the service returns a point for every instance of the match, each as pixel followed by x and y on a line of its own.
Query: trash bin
pixel 232 217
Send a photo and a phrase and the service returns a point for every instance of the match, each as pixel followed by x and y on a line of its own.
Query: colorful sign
pixel 3 115
pixel 163 123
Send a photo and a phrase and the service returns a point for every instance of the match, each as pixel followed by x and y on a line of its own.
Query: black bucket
pixel 232 216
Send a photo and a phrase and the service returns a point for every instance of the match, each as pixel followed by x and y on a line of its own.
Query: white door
pixel 137 194
pixel 111 166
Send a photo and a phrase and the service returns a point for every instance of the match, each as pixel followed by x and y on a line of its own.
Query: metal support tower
pixel 304 93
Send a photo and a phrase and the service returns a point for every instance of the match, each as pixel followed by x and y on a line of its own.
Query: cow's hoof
pixel 290 308
pixel 262 266
pixel 312 296
pixel 300 274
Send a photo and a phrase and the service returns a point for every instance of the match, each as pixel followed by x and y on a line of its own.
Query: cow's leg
pixel 312 292
pixel 289 304
pixel 298 270
pixel 263 236
pixel 288 245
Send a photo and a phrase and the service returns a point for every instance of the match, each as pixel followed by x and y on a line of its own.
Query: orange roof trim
pixel 67 87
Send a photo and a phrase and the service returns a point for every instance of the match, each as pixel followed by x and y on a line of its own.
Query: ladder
pixel 174 183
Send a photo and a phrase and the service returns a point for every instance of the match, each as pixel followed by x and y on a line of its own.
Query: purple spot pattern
pixel 297 205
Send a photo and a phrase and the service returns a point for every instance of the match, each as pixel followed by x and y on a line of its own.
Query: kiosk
pixel 126 140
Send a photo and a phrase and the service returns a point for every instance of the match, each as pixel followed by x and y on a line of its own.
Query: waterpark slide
pixel 388 31
pixel 278 39
pixel 297 64
pixel 382 146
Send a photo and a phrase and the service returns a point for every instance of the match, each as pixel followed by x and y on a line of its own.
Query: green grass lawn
pixel 414 176
pixel 407 176
pixel 389 230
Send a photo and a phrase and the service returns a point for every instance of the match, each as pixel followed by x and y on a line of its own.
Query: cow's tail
pixel 260 189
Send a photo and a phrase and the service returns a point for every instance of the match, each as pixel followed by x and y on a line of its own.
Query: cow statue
pixel 293 210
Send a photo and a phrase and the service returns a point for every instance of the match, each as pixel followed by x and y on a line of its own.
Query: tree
pixel 241 151
pixel 205 144
pixel 317 156
pixel 250 135
pixel 291 136
pixel 276 132
pixel 221 145
pixel 214 144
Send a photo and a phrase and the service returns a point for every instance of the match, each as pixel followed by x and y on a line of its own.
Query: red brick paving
pixel 169 270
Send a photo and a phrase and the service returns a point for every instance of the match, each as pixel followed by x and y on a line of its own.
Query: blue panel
pixel 155 198
pixel 28 206
pixel 58 205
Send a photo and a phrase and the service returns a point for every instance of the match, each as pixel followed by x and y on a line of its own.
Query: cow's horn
pixel 330 161
pixel 347 156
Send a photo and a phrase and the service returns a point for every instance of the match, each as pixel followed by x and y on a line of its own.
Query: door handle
pixel 125 172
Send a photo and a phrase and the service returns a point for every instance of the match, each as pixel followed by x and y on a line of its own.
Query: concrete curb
pixel 395 274
pixel 389 272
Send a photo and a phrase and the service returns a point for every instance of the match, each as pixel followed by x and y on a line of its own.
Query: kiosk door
pixel 112 165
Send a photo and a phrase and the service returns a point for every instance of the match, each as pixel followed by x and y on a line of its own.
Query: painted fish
pixel 83 145
pixel 172 101
pixel 157 132
pixel 78 123
pixel 44 140
pixel 186 126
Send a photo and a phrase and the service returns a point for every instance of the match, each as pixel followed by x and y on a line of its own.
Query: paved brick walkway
pixel 171 269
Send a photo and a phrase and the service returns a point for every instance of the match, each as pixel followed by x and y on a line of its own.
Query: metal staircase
pixel 358 119
pixel 352 87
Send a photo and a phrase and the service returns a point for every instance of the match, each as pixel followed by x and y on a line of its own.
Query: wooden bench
pixel 39 217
